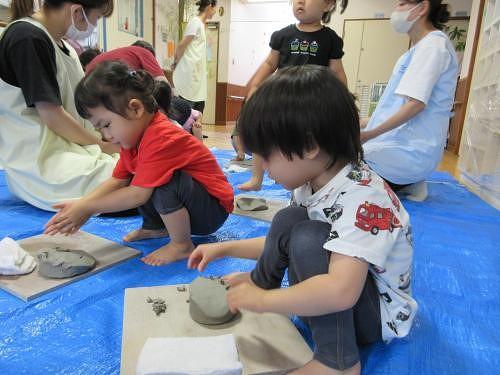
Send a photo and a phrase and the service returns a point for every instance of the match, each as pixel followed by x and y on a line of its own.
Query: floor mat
pixel 77 329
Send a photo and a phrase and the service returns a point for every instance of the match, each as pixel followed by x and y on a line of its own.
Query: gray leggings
pixel 205 212
pixel 296 242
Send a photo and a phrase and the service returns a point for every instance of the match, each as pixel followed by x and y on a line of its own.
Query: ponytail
pixel 438 14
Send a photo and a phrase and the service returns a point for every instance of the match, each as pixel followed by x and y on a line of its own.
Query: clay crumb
pixel 181 288
pixel 159 305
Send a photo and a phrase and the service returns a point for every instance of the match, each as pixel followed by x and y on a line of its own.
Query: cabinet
pixel 479 160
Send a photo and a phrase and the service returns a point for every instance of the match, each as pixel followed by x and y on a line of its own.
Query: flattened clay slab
pixel 274 205
pixel 242 163
pixel 267 343
pixel 207 301
pixel 58 263
pixel 251 204
pixel 105 252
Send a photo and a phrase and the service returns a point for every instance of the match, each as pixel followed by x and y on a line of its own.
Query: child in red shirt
pixel 167 173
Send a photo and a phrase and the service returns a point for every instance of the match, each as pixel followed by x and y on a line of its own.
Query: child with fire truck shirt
pixel 346 238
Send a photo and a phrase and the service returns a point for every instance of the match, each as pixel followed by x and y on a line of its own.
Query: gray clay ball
pixel 207 301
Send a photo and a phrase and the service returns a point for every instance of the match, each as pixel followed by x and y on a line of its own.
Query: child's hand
pixel 69 219
pixel 246 296
pixel 236 278
pixel 204 254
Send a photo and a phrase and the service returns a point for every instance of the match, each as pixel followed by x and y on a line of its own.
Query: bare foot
pixel 141 234
pixel 252 185
pixel 198 131
pixel 169 253
pixel 239 157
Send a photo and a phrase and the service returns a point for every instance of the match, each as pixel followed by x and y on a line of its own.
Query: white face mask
pixel 399 20
pixel 74 34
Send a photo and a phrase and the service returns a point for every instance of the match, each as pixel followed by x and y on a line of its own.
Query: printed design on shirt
pixel 393 327
pixel 313 47
pixel 334 212
pixel 304 46
pixel 392 196
pixel 404 313
pixel 373 218
pixel 404 281
pixel 332 236
pixel 378 269
pixel 360 174
pixel 409 235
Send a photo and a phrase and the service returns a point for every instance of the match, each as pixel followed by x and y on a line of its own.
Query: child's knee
pixel 307 239
pixel 289 216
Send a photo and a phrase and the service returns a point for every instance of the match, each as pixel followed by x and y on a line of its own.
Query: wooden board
pixel 275 205
pixel 107 254
pixel 247 163
pixel 267 343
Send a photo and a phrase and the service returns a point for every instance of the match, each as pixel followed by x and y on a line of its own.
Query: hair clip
pixel 132 73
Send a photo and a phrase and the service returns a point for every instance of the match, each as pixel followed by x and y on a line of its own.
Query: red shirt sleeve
pixel 121 172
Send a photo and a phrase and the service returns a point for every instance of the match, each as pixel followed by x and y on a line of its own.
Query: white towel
pixel 14 260
pixel 233 168
pixel 212 355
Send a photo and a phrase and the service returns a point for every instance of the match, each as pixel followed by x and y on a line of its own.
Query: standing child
pixel 346 238
pixel 169 175
pixel 307 42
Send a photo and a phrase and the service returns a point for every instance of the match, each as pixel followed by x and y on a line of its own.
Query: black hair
pixel 439 13
pixel 145 45
pixel 298 108
pixel 24 8
pixel 88 55
pixel 327 16
pixel 163 95
pixel 112 85
pixel 203 4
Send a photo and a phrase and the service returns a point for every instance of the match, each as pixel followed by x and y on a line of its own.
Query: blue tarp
pixel 77 329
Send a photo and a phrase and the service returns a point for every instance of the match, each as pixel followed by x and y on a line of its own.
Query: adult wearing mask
pixel 49 153
pixel 190 61
pixel 405 137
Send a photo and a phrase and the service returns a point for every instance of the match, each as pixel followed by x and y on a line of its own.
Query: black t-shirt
pixel 28 61
pixel 298 47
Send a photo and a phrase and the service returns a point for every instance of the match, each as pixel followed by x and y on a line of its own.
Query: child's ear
pixel 136 108
pixel 312 153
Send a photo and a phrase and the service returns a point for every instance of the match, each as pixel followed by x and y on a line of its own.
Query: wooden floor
pixel 220 136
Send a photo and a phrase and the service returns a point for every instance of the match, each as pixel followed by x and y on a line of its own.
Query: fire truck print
pixel 373 218
pixel 334 212
pixel 361 174
pixel 392 196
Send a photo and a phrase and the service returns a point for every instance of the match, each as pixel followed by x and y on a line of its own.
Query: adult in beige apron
pixel 43 168
pixel 190 65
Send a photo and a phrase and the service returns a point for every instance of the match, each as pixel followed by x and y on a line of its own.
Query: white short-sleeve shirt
pixel 427 72
pixel 369 222
pixel 190 74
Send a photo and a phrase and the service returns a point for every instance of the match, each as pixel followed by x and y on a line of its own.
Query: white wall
pixel 116 38
pixel 250 30
pixel 382 9
pixel 252 24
